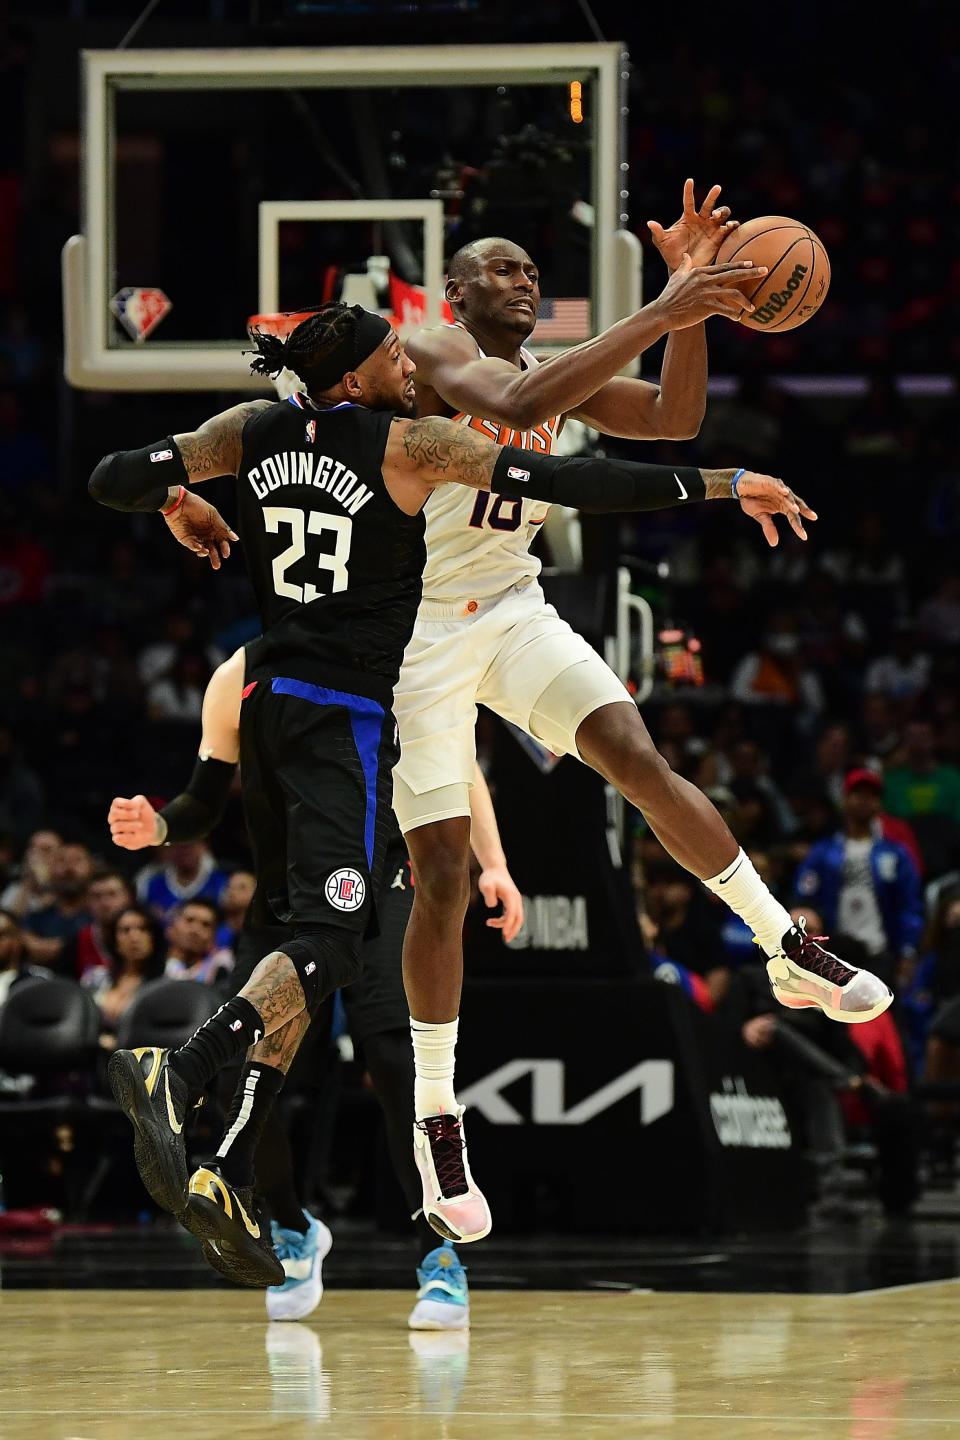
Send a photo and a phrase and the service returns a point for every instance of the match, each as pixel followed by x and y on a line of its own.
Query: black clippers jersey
pixel 337 567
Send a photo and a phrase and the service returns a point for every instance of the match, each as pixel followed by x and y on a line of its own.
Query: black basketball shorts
pixel 375 1003
pixel 316 769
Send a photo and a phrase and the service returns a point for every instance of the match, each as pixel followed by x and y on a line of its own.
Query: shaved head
pixel 467 261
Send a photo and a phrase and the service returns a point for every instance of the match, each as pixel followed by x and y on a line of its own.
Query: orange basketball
pixel 798 268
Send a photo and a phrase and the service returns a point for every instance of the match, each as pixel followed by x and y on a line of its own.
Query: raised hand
pixel 695 292
pixel 762 497
pixel 496 885
pixel 698 233
pixel 133 823
pixel 200 527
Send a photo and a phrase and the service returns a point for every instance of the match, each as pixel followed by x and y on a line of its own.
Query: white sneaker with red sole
pixel 805 975
pixel 452 1204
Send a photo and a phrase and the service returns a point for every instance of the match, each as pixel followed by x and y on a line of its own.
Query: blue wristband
pixel 735 482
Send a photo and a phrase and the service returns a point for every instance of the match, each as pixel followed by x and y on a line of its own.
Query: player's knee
pixel 325 957
pixel 442 881
pixel 646 775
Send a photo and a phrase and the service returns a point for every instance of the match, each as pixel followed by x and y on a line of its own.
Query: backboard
pixel 237 181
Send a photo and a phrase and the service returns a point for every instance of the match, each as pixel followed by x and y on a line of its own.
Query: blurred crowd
pixel 827 726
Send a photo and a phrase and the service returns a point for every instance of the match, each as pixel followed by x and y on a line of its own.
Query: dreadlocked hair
pixel 311 349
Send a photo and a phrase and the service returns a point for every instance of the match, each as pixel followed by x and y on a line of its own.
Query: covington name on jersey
pixel 299 467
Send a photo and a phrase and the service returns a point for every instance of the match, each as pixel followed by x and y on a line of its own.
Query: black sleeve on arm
pixel 194 813
pixel 138 479
pixel 597 486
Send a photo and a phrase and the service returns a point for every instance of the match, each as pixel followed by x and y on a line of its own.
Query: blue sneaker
pixel 302 1257
pixel 443 1300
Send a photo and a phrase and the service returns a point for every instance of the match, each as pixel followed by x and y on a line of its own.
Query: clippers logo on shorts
pixel 311 432
pixel 156 455
pixel 346 889
pixel 515 473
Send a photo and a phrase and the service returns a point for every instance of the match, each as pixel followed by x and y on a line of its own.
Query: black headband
pixel 369 331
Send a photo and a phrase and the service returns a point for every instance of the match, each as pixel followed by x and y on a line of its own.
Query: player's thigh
pixel 435 706
pixel 578 694
pixel 547 678
pixel 334 763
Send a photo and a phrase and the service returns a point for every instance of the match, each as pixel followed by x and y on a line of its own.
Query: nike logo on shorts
pixel 683 493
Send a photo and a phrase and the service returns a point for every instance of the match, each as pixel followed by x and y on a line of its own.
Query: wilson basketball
pixel 798 268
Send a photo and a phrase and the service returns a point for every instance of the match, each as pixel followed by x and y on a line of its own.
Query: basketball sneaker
pixel 443 1300
pixel 155 1100
pixel 804 974
pixel 229 1218
pixel 452 1204
pixel 302 1257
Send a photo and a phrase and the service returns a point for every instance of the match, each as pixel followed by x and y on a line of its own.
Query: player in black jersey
pixel 376 1015
pixel 331 487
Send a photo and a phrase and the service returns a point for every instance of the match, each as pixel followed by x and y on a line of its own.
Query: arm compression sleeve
pixel 592 484
pixel 194 813
pixel 138 479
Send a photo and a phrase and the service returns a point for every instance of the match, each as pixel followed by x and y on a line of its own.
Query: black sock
pixel 273 1165
pixel 225 1036
pixel 258 1088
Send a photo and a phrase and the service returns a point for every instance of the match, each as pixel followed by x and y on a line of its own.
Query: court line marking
pixel 659 1416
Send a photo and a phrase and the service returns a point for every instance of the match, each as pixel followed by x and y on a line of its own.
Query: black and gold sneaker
pixel 236 1234
pixel 155 1100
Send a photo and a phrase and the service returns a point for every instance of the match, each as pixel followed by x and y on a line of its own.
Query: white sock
pixel 433 1052
pixel 740 887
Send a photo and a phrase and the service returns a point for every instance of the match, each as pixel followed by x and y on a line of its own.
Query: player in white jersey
pixel 485 633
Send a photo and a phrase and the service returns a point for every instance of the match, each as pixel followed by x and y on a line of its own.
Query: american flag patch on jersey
pixel 562 320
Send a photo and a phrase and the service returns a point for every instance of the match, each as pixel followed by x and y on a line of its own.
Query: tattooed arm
pixel 214 448
pixel 423 453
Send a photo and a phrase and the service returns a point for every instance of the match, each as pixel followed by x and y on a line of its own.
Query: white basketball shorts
pixel 512 653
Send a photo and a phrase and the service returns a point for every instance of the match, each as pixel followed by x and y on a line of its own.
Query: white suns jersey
pixel 478 544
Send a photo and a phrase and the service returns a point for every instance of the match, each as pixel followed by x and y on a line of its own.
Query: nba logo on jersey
pixel 311 432
pixel 346 889
pixel 515 473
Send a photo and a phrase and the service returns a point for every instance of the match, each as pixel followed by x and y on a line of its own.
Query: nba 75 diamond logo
pixel 346 889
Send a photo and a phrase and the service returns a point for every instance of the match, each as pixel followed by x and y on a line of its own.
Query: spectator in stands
pixel 940 616
pixel 831 762
pixel 14 965
pixel 684 927
pixel 159 659
pixel 904 672
pixel 178 695
pixel 134 942
pixel 775 674
pixel 864 885
pixel 191 938
pixel 749 764
pixel 21 793
pixel 879 731
pixel 30 890
pixel 190 873
pixel 234 903
pixel 108 895
pixel 920 785
pixel 48 930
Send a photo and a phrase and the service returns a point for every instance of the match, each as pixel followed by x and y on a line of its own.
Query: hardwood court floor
pixel 141 1365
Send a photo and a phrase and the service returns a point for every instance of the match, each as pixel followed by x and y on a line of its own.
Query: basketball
pixel 798 267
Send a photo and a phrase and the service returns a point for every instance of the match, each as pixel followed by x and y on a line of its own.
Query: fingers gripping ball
pixel 798 271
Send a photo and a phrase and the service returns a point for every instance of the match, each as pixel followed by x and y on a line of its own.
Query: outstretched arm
pixel 156 478
pixel 421 454
pixel 198 809
pixel 448 361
